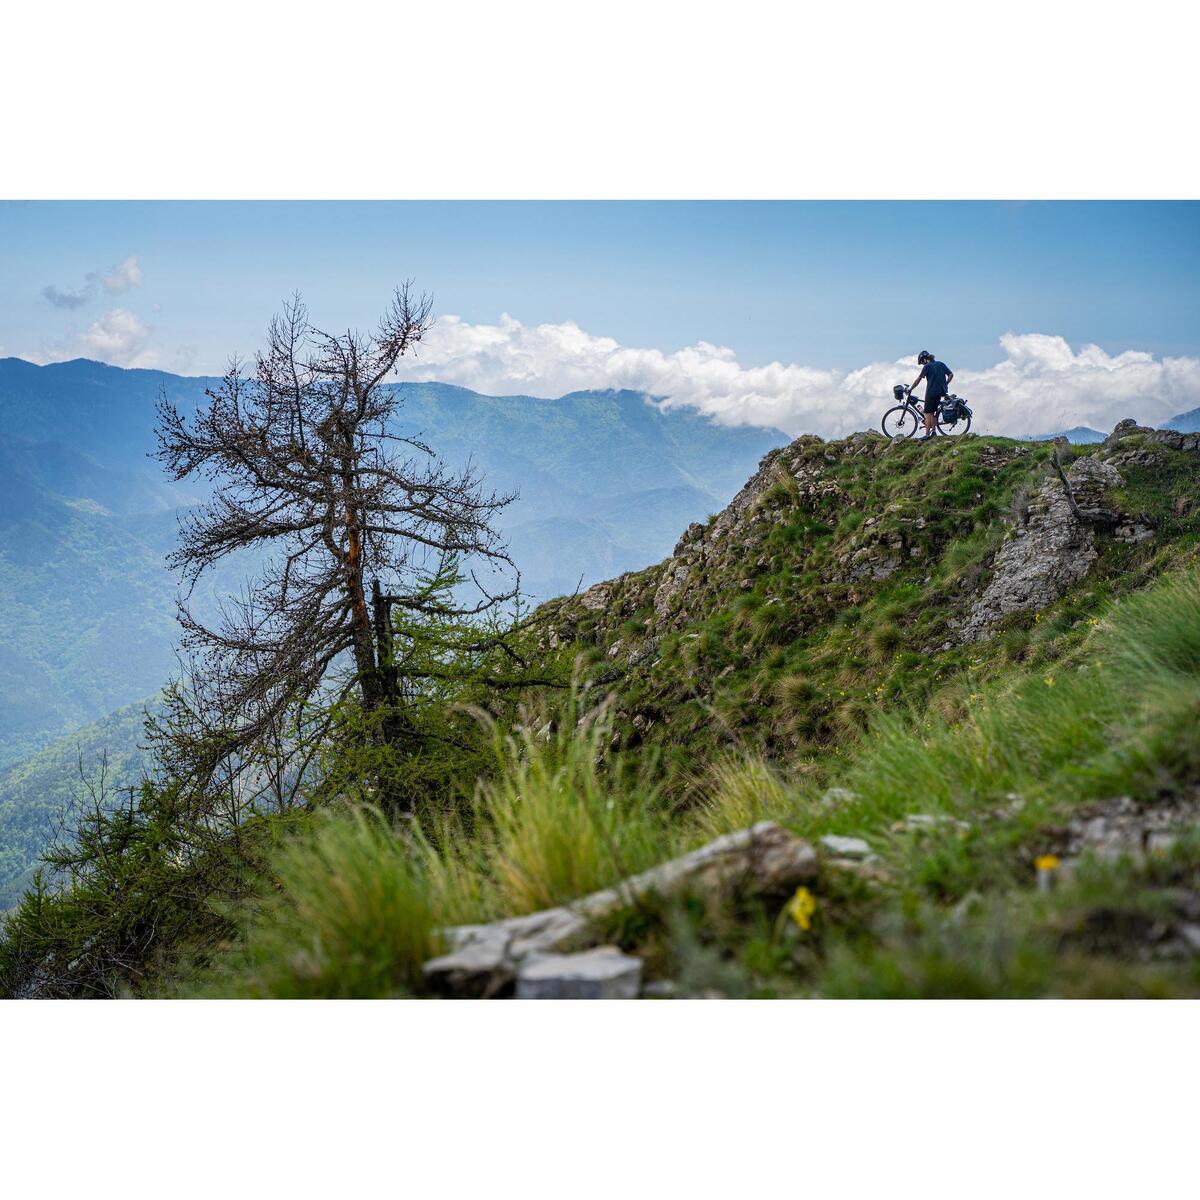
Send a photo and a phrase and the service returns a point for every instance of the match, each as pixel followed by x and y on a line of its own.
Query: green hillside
pixel 842 580
pixel 86 517
pixel 36 794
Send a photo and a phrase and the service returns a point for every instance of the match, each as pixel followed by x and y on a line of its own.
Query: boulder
pixel 478 967
pixel 601 974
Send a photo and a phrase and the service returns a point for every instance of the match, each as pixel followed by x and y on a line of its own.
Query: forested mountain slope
pixel 87 605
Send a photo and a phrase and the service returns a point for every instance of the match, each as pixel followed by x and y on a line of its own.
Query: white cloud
pixel 1039 385
pixel 119 337
pixel 123 276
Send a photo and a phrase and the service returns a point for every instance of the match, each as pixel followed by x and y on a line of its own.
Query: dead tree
pixel 310 473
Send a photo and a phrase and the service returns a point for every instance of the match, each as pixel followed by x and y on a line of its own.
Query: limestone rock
pixel 919 822
pixel 597 596
pixel 1057 548
pixel 601 974
pixel 1123 429
pixel 478 967
pixel 1121 828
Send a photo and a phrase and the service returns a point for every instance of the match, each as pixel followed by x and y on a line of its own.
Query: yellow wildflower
pixel 801 908
pixel 1046 862
pixel 1049 680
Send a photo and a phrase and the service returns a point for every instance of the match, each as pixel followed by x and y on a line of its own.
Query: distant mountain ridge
pixel 1187 422
pixel 1080 435
pixel 86 517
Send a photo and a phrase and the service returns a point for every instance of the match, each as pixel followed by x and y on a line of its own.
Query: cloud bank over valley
pixel 1040 383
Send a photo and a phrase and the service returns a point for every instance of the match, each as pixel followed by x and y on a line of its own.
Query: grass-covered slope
pixel 925 647
pixel 803 658
pixel 838 584
pixel 1091 773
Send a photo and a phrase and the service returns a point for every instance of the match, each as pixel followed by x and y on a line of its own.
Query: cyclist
pixel 937 378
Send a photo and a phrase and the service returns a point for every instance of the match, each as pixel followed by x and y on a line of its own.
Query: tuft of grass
pixel 796 692
pixel 739 792
pixel 887 638
pixel 350 916
pixel 557 826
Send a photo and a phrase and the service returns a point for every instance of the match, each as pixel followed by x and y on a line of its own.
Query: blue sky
pixel 821 287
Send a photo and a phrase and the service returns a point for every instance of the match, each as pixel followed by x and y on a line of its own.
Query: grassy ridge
pixel 358 904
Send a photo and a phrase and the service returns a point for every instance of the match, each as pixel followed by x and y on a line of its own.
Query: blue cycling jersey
pixel 937 379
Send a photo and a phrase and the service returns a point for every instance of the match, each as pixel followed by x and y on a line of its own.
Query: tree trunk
pixel 360 618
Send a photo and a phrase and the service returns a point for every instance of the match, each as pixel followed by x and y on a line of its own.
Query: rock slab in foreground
pixel 483 959
pixel 601 974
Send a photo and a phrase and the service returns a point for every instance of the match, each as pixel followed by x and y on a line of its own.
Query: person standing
pixel 937 378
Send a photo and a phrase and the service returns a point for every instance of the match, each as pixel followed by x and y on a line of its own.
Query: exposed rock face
pixel 1144 449
pixel 1053 551
pixel 484 959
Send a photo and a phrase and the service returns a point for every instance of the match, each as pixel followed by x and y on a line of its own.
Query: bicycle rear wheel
pixel 958 426
pixel 900 422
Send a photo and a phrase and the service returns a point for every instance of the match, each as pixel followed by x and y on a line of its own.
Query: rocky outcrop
pixel 1057 546
pixel 1134 444
pixel 485 960
pixel 1055 549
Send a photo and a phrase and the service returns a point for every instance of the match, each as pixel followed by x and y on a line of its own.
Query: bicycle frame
pixel 914 410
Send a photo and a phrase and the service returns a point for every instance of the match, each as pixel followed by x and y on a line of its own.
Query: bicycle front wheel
pixel 900 422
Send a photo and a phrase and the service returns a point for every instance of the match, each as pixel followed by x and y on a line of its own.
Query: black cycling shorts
pixel 933 403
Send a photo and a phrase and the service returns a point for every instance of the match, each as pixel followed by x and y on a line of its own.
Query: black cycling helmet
pixel 923 358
